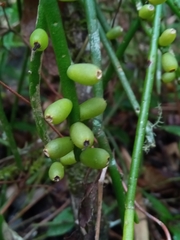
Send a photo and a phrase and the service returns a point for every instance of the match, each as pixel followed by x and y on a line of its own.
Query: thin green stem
pixel 120 51
pixel 102 19
pixel 55 26
pixel 119 71
pixel 125 83
pixel 10 138
pixel 128 231
pixel 34 93
pixel 173 7
pixel 94 39
pixel 34 83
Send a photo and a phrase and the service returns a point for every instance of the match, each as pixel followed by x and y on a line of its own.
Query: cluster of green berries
pixel 169 62
pixel 81 135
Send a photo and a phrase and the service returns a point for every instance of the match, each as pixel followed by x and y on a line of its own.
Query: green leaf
pixel 6 233
pixel 62 224
pixel 172 129
pixel 160 208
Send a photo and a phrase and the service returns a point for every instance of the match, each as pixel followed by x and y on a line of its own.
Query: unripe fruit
pixel 58 147
pixel 167 37
pixel 114 32
pixel 84 73
pixel 96 158
pixel 92 108
pixel 58 111
pixel 56 171
pixel 39 40
pixel 68 159
pixel 169 62
pixel 156 2
pixel 168 77
pixel 146 12
pixel 81 135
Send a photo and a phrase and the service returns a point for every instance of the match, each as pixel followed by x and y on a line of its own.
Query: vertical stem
pixel 56 29
pixel 128 232
pixel 121 49
pixel 93 30
pixel 173 7
pixel 94 40
pixel 34 82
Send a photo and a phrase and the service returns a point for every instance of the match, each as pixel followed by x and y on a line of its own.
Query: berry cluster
pixel 169 62
pixel 81 136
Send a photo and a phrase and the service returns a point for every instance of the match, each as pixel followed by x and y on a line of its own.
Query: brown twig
pixel 27 236
pixel 15 93
pixel 100 196
pixel 28 102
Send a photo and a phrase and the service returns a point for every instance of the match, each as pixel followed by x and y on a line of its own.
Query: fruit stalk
pixel 34 82
pixel 93 27
pixel 128 231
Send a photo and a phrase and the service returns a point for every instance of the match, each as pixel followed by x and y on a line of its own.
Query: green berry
pixel 58 111
pixel 114 33
pixel 167 37
pixel 81 135
pixel 84 73
pixel 96 158
pixel 147 12
pixel 156 2
pixel 56 171
pixel 39 40
pixel 169 62
pixel 58 147
pixel 68 159
pixel 92 108
pixel 168 77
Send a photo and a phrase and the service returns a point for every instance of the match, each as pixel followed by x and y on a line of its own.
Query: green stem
pixel 34 82
pixel 34 93
pixel 93 30
pixel 119 71
pixel 173 7
pixel 102 19
pixel 120 51
pixel 128 231
pixel 55 26
pixel 94 40
pixel 125 83
pixel 8 131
